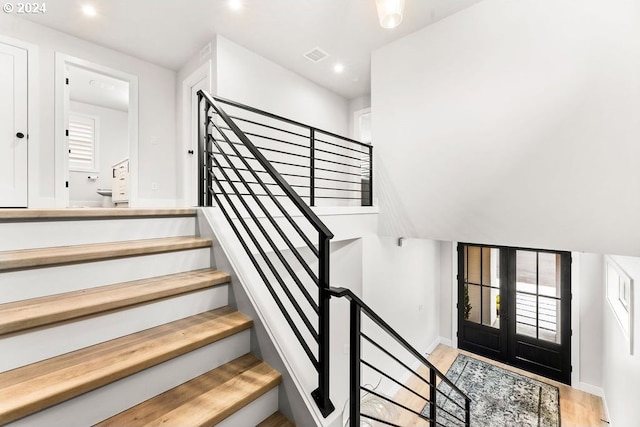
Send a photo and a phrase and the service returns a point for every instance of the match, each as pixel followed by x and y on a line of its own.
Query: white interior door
pixel 13 126
pixel 192 173
pixel 66 100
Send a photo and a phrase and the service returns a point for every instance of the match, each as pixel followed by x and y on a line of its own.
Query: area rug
pixel 499 398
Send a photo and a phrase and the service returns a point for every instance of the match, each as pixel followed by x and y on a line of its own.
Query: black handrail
pixel 286 120
pixel 295 198
pixel 287 144
pixel 357 308
pixel 221 178
pixel 207 176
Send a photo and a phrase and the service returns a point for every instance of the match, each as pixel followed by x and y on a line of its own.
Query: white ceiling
pixel 91 87
pixel 168 32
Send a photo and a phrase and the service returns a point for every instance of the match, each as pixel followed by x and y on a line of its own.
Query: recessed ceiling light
pixel 235 4
pixel 89 10
pixel 338 68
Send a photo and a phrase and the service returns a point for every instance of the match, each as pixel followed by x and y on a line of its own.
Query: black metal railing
pixel 322 167
pixel 251 194
pixel 458 413
pixel 269 217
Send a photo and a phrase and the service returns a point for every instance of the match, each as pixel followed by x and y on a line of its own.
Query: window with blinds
pixel 83 143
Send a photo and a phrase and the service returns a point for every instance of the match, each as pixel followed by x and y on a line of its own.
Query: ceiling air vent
pixel 316 55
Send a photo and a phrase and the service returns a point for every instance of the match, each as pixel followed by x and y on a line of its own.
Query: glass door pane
pixel 538 290
pixel 482 285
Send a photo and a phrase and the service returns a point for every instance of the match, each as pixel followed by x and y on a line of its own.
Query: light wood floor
pixel 577 408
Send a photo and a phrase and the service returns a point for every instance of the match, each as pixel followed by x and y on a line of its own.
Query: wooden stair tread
pixel 277 420
pixel 37 386
pixel 20 315
pixel 205 400
pixel 42 257
pixel 92 213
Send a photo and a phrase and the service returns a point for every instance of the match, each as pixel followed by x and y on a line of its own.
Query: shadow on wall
pixel 394 220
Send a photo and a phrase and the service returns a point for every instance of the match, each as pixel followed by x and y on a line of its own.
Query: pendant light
pixel 390 12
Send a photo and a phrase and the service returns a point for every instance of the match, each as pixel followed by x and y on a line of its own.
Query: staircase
pixel 115 317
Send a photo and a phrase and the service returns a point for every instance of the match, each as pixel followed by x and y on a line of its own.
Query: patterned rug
pixel 499 397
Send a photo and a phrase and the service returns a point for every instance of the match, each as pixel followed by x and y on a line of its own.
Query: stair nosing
pixel 189 398
pixel 16 215
pixel 75 254
pixel 267 422
pixel 145 349
pixel 52 311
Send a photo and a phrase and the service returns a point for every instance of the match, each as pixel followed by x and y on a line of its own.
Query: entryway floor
pixel 577 408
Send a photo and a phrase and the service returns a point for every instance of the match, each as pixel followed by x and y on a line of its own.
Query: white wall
pixel 113 147
pixel 518 121
pixel 401 285
pixel 241 75
pixel 251 79
pixel 591 294
pixel 621 371
pixel 156 105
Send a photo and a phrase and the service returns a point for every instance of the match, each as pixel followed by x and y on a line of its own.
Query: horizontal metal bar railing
pixel 357 307
pixel 393 402
pixel 222 175
pixel 270 288
pixel 226 157
pixel 282 119
pixel 298 149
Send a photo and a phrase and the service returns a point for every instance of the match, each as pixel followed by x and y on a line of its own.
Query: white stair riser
pixel 104 402
pixel 255 412
pixel 44 234
pixel 37 282
pixel 26 347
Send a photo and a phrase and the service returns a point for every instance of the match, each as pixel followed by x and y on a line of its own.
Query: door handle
pixel 190 151
pixel 20 135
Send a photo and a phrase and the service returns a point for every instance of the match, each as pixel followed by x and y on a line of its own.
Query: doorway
pixel 98 138
pixel 96 134
pixel 514 306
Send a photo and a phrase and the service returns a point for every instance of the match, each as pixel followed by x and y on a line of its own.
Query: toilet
pixel 106 197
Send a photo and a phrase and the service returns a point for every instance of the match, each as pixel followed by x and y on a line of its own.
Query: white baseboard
pixel 184 203
pixel 432 346
pixel 446 341
pixel 607 417
pixel 85 203
pixel 156 203
pixel 598 391
pixel 436 342
pixel 42 202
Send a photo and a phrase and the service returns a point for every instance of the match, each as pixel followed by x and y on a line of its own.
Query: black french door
pixel 514 306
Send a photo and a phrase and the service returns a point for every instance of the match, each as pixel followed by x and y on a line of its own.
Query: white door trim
pixel 204 71
pixel 454 294
pixel 356 123
pixel 61 158
pixel 34 199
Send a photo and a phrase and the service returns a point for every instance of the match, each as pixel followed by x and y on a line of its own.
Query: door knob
pixel 20 135
pixel 190 151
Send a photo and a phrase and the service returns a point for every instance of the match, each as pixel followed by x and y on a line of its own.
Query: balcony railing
pixel 265 191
